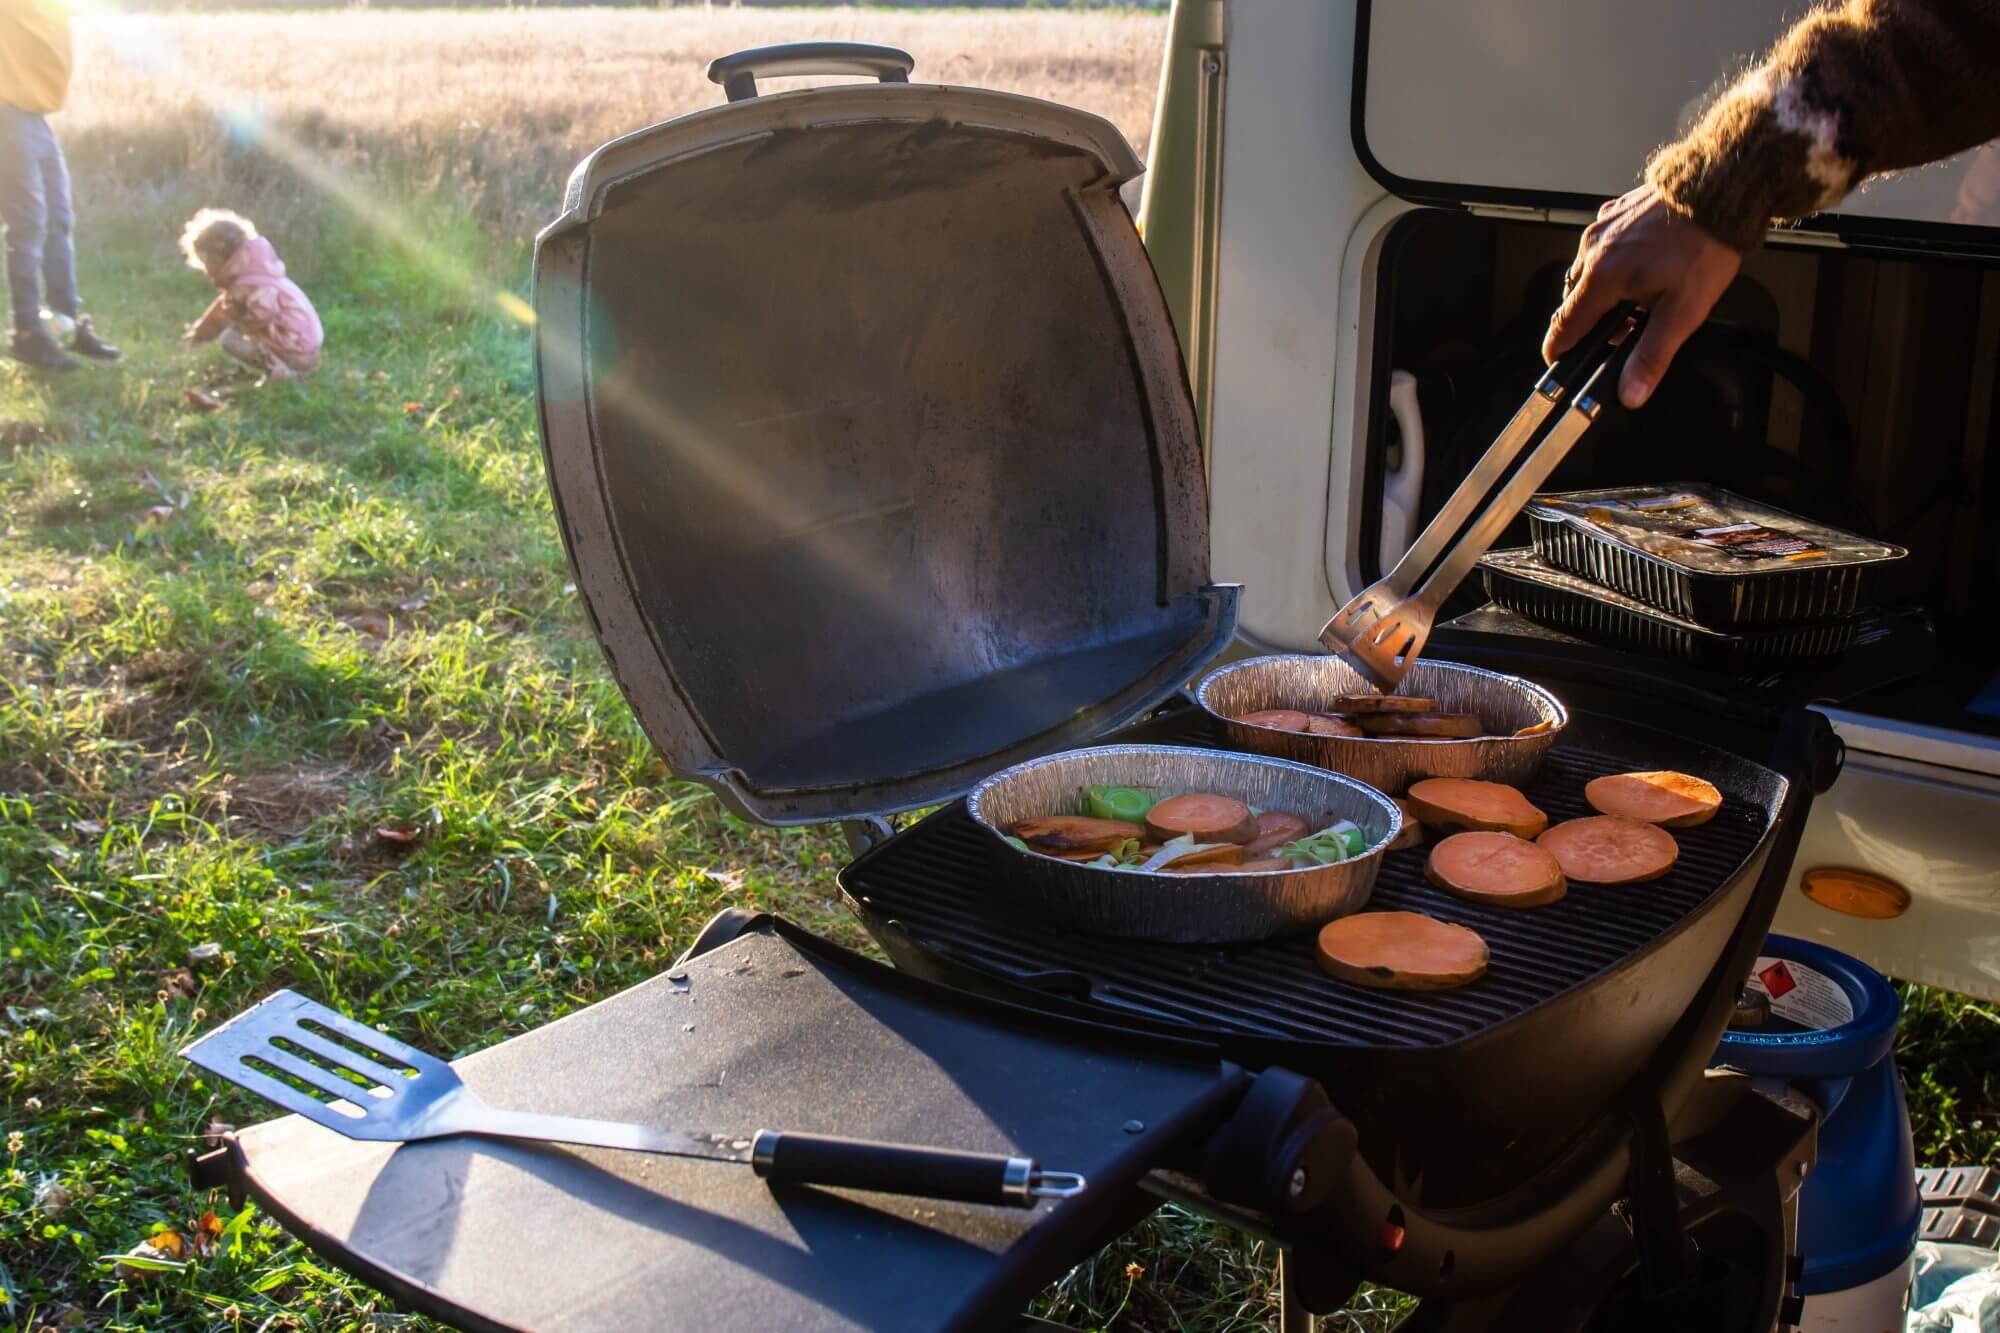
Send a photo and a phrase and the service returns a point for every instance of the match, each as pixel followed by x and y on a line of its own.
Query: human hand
pixel 1641 250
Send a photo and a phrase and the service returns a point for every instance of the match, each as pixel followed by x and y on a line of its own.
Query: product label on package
pixel 1754 541
pixel 1806 997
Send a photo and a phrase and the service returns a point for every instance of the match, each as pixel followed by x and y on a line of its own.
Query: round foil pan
pixel 1213 908
pixel 1311 682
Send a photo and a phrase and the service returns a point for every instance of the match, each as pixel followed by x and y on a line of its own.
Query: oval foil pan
pixel 1311 682
pixel 1184 909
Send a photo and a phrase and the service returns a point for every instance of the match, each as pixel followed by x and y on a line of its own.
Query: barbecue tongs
pixel 358 1082
pixel 1382 630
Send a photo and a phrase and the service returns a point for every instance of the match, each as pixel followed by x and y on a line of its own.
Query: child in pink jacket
pixel 262 317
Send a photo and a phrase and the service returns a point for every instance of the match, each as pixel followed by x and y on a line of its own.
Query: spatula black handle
pixel 896 1168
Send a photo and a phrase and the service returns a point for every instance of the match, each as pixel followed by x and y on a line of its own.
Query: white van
pixel 1361 212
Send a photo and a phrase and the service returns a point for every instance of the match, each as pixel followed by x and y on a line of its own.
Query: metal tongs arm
pixel 1382 630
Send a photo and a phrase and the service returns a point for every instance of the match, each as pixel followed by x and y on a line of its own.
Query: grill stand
pixel 1710 1244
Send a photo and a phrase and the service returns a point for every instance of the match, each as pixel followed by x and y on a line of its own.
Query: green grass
pixel 355 616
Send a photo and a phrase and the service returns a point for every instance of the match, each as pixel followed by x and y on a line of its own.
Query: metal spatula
pixel 1382 630
pixel 379 1089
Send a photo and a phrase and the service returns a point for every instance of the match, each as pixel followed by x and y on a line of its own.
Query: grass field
pixel 303 679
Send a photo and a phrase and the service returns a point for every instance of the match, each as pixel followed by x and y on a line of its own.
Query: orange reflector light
pixel 1855 892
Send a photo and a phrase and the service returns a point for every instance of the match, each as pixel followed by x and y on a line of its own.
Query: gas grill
pixel 871 447
pixel 1433 1079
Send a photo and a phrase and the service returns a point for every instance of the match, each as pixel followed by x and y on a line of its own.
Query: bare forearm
pixel 1855 89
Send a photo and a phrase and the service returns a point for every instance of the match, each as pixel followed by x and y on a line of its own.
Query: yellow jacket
pixel 34 54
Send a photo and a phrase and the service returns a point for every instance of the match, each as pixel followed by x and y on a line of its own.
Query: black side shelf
pixel 771 1028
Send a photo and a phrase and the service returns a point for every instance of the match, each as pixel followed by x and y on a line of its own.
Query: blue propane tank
pixel 1831 1025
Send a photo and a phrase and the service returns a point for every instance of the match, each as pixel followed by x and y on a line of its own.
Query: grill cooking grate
pixel 937 881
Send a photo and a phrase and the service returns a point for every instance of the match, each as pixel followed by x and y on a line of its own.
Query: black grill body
pixel 1460 1096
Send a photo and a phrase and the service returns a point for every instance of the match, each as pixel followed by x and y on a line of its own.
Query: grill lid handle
pixel 738 73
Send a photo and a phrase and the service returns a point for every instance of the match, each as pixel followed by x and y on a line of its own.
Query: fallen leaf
pixel 87 826
pixel 159 514
pixel 415 604
pixel 205 1233
pixel 402 836
pixel 411 409
pixel 201 400
pixel 201 955
pixel 146 1258
pixel 52 1200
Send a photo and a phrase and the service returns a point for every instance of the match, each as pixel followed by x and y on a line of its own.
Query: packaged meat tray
pixel 1708 556
pixel 1522 581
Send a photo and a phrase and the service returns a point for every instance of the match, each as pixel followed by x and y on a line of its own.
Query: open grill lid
pixel 869 437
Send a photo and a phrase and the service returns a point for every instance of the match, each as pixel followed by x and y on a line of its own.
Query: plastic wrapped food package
pixel 1710 530
pixel 1708 555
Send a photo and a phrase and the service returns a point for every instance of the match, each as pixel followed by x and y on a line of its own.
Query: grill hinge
pixel 866 833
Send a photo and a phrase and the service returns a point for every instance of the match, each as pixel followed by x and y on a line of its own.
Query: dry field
pixel 492 108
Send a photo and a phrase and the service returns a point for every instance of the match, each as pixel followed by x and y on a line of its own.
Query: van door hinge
pixel 1568 217
pixel 1797 236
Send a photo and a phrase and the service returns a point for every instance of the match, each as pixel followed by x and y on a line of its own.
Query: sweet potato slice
pixel 1413 826
pixel 1666 798
pixel 1535 729
pixel 1275 828
pixel 1057 834
pixel 1367 705
pixel 1268 863
pixel 1496 868
pixel 1210 818
pixel 1604 849
pixel 1325 724
pixel 1277 719
pixel 1428 726
pixel 1467 803
pixel 1401 951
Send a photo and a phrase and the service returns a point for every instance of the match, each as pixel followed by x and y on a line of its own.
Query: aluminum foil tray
pixel 1521 581
pixel 1709 556
pixel 1193 908
pixel 1313 681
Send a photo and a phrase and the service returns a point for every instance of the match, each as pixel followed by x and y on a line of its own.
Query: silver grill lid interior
pixel 870 442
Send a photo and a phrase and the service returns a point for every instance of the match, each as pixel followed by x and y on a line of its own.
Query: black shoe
pixel 85 342
pixel 34 347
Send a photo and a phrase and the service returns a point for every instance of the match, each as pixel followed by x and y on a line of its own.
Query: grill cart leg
pixel 1293 1317
pixel 1736 1182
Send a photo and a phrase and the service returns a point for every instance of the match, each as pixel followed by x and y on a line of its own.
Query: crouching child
pixel 261 317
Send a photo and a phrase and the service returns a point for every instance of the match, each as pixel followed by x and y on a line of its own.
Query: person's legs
pixel 23 210
pixel 25 141
pixel 58 243
pixel 254 354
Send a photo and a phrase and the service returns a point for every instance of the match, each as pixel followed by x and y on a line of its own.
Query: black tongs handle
pixel 1580 365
